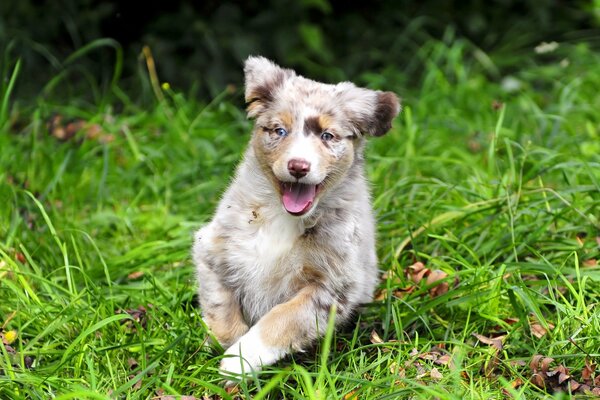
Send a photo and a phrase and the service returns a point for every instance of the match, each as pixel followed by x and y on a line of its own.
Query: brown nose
pixel 298 167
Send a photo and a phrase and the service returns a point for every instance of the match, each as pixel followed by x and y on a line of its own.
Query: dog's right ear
pixel 263 78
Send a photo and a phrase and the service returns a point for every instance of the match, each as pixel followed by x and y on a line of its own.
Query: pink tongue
pixel 297 197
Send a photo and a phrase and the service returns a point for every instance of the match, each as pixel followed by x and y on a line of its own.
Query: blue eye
pixel 326 136
pixel 281 132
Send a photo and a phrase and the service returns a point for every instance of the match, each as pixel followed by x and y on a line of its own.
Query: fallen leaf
pixel 139 315
pixel 444 360
pixel 517 383
pixel 135 275
pixel 133 364
pixel 421 372
pixel 417 271
pixel 592 262
pixel 20 257
pixel 375 338
pixel 538 381
pixel 545 364
pixel 435 374
pixel 573 386
pixel 538 330
pixel 494 342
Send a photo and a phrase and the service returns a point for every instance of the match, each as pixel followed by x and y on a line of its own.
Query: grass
pixel 497 187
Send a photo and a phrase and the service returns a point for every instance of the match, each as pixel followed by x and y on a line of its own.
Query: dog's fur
pixel 270 267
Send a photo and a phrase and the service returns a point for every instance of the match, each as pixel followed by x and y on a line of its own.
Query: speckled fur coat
pixel 294 233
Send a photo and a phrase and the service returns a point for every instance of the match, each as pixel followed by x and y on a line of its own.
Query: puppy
pixel 294 233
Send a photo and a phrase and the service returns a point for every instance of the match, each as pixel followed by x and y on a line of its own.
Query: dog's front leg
pixel 288 326
pixel 220 309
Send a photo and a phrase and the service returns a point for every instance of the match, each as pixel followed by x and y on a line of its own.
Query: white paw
pixel 248 355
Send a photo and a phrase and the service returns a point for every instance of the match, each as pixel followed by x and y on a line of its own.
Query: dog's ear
pixel 370 111
pixel 263 78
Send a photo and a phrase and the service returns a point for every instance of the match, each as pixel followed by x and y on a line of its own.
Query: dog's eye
pixel 326 136
pixel 281 132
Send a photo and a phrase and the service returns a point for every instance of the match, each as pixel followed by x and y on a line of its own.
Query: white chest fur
pixel 267 259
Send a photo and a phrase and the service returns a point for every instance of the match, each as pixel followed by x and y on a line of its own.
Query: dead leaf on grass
pixel 435 374
pixel 558 378
pixel 538 330
pixel 135 275
pixel 435 277
pixel 375 338
pixel 495 342
pixel 64 130
pixel 138 315
pixel 588 370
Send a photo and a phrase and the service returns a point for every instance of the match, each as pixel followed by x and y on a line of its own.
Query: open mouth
pixel 298 198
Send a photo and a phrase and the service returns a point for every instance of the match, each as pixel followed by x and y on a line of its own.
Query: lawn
pixel 487 192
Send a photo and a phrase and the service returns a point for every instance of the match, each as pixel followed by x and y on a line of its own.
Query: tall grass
pixel 496 187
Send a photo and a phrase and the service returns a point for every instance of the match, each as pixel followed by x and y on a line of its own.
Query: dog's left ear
pixel 370 111
pixel 263 78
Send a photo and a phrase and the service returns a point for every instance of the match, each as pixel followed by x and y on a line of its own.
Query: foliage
pixel 200 45
pixel 491 176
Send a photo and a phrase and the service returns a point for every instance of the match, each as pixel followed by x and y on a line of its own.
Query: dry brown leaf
pixel 231 390
pixel 588 370
pixel 563 377
pixel 445 360
pixel 375 338
pixel 435 374
pixel 494 342
pixel 592 262
pixel 380 295
pixel 20 257
pixel 545 364
pixel 538 380
pixel 133 364
pixel 573 386
pixel 418 277
pixel 138 315
pixel 135 275
pixel 517 383
pixel 401 292
pixel 538 330
pixel 421 372
pixel 137 385
pixel 350 395
pixel 435 276
pixel 417 271
pixel 535 362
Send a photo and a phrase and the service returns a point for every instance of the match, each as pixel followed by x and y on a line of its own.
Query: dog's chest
pixel 268 257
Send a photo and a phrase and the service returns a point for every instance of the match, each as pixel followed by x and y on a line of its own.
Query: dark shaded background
pixel 198 46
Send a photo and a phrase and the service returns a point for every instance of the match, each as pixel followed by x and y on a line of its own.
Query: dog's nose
pixel 298 167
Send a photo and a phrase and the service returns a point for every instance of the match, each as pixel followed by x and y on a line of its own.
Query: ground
pixel 487 192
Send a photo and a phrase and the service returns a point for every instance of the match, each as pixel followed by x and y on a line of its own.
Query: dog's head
pixel 308 134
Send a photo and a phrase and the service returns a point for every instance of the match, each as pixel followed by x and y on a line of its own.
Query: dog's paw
pixel 248 355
